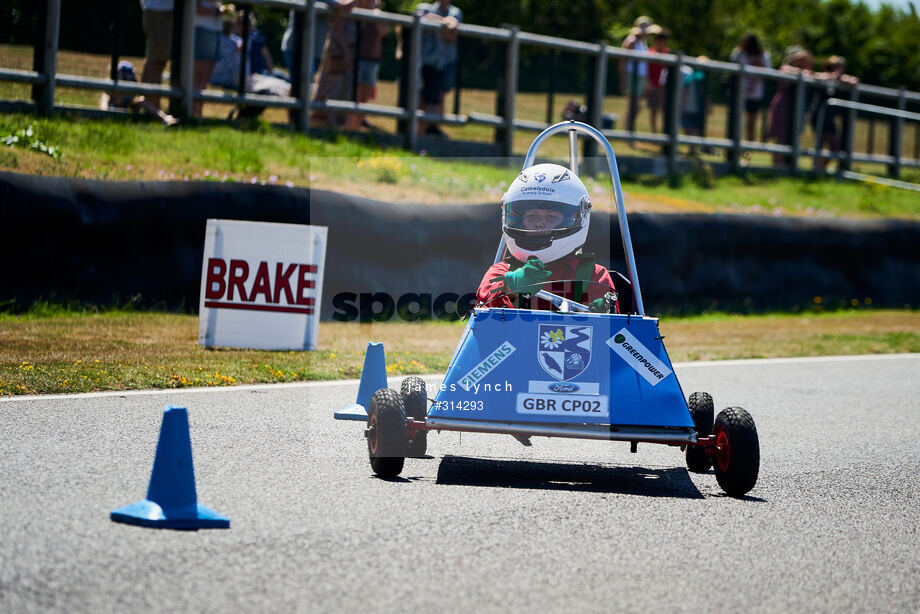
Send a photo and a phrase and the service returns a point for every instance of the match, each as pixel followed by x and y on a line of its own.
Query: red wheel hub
pixel 723 450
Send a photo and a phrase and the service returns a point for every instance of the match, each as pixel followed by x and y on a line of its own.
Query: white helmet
pixel 545 213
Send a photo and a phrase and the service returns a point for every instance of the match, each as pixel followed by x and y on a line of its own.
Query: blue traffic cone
pixel 373 378
pixel 172 502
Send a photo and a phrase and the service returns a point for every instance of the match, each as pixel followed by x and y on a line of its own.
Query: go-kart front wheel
pixel 737 457
pixel 415 401
pixel 702 412
pixel 386 433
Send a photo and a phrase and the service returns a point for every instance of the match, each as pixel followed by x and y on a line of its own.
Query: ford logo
pixel 564 387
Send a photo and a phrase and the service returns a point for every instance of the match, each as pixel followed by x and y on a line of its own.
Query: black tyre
pixel 415 400
pixel 737 460
pixel 386 433
pixel 702 412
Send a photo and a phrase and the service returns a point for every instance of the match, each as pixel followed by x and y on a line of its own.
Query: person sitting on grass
pixel 114 101
pixel 545 217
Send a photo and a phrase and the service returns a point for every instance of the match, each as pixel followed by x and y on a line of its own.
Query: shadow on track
pixel 498 473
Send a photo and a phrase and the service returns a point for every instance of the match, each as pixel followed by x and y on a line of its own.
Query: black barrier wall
pixel 105 242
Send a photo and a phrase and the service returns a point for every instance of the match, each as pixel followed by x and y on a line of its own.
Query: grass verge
pixel 59 351
pixel 260 153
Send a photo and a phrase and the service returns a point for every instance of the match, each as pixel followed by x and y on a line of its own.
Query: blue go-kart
pixel 562 373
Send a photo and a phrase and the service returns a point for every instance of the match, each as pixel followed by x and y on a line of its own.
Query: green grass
pixel 790 196
pixel 60 349
pixel 141 150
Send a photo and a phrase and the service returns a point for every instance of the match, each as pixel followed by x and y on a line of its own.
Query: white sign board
pixel 261 285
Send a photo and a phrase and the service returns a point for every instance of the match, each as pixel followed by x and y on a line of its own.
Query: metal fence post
pixel 896 136
pixel 45 56
pixel 308 63
pixel 457 74
pixel 798 118
pixel 415 64
pixel 298 75
pixel 736 119
pixel 511 81
pixel 849 130
pixel 674 105
pixel 175 57
pixel 244 52
pixel 187 66
pixel 598 92
pixel 551 84
pixel 116 27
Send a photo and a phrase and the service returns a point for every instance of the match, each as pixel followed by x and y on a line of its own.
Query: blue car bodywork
pixel 538 367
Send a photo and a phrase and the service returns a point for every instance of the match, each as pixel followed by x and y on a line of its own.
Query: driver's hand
pixel 526 279
pixel 599 305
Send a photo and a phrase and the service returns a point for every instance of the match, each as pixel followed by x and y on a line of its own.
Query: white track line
pixel 745 362
pixel 791 361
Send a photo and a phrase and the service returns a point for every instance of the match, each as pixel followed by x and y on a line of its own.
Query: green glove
pixel 525 280
pixel 598 305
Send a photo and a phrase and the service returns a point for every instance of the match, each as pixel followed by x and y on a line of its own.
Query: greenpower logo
pixel 645 361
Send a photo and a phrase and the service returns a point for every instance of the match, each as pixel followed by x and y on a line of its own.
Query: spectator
pixel 781 106
pixel 260 58
pixel 158 24
pixel 633 74
pixel 369 55
pixel 439 57
pixel 335 78
pixel 750 52
pixel 111 101
pixel 833 77
pixel 657 73
pixel 227 70
pixel 695 101
pixel 574 110
pixel 320 30
pixel 207 45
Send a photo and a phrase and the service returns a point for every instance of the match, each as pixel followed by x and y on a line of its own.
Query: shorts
pixel 207 44
pixel 435 83
pixel 752 105
pixel 158 27
pixel 655 97
pixel 368 70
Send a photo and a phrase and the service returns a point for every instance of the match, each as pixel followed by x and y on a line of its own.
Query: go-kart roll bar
pixel 573 128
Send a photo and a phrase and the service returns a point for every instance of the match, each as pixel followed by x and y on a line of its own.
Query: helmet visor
pixel 539 215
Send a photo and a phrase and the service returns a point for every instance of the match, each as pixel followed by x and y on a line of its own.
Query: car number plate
pixel 564 405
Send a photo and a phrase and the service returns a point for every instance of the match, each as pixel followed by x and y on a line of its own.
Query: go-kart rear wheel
pixel 415 400
pixel 737 459
pixel 702 412
pixel 386 433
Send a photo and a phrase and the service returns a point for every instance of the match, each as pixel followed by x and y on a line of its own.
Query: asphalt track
pixel 484 524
